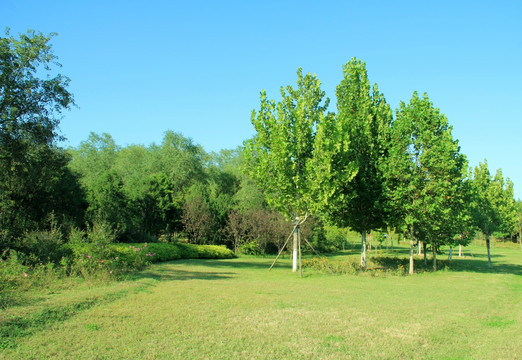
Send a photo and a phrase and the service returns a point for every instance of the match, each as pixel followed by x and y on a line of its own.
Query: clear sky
pixel 139 68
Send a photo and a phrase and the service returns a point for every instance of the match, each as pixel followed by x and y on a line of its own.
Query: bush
pixel 250 248
pixel 41 247
pixel 12 271
pixel 114 259
pixel 207 251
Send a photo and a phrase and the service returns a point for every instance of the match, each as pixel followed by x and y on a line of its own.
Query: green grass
pixel 236 308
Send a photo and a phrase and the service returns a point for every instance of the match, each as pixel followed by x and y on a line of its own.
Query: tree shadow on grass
pixel 240 263
pixel 479 264
pixel 169 274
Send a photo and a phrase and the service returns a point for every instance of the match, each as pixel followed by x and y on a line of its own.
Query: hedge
pixel 136 256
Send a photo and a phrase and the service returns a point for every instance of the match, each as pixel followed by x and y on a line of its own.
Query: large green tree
pixel 33 170
pixel 362 126
pixel 425 174
pixel 280 157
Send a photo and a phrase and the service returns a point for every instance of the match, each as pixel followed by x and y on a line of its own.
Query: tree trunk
pixel 425 255
pixel 434 248
pixel 460 250
pixel 294 251
pixel 450 254
pixel 363 250
pixel 299 245
pixel 411 251
pixel 489 252
pixel 419 251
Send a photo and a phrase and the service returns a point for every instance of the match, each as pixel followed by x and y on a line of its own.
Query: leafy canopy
pixel 281 157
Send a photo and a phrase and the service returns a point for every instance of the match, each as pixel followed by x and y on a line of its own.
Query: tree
pixel 197 218
pixel 279 158
pixel 94 160
pixel 509 212
pixel 108 203
pixel 32 99
pixel 425 174
pixel 162 206
pixel 237 227
pixel 363 122
pixel 180 159
pixel 493 203
pixel 94 157
pixel 29 105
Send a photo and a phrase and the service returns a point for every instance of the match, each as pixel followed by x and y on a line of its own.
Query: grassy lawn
pixel 226 309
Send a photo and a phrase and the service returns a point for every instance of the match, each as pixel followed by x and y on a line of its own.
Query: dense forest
pixel 364 168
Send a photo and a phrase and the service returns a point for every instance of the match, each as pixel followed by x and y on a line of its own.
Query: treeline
pixel 163 192
pixel 174 190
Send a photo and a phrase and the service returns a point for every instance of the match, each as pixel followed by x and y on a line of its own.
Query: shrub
pixel 101 233
pixel 12 271
pixel 250 248
pixel 209 251
pixel 41 247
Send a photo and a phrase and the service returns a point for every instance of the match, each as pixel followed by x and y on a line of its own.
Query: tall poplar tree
pixel 363 121
pixel 282 157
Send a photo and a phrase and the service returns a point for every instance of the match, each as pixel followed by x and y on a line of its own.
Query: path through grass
pixel 230 309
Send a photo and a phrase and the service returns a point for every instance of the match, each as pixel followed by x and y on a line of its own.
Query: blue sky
pixel 139 68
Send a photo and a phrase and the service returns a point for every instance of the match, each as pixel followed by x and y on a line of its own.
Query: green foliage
pixel 30 101
pixel 280 156
pixel 40 247
pixel 426 175
pixel 12 271
pixel 251 248
pixel 206 251
pixel 493 204
pixel 363 121
pixel 34 178
pixel 336 235
pixel 90 258
pixel 17 276
pixel 140 191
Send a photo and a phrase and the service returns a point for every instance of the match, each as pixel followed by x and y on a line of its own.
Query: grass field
pixel 229 309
